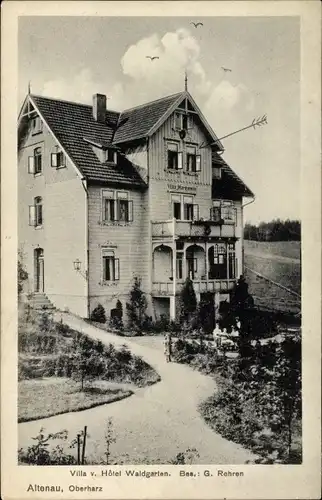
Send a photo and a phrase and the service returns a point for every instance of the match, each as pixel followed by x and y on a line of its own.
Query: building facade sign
pixel 181 188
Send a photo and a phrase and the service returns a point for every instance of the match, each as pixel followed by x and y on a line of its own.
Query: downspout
pixel 242 225
pixel 84 184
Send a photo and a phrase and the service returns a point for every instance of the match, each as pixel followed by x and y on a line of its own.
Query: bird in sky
pixel 152 57
pixel 226 69
pixel 196 24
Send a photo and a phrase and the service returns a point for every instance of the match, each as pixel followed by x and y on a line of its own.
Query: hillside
pixel 280 262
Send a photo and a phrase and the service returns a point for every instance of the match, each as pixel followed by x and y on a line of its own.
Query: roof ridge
pixel 71 102
pixel 152 102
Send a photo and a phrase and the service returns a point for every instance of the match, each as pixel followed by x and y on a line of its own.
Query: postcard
pixel 161 236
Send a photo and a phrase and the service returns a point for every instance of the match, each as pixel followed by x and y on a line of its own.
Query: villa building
pixel 106 196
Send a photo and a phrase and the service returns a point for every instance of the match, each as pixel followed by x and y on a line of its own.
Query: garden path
pixel 157 422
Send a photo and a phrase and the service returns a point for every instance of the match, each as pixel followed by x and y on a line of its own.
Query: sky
pixel 73 58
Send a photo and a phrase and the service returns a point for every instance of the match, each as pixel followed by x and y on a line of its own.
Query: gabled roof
pixel 71 123
pixel 137 122
pixel 229 184
pixel 143 121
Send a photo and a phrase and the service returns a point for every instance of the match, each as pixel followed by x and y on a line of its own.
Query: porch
pixel 212 267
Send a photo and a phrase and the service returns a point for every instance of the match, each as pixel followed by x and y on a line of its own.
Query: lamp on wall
pixel 77 265
pixel 78 268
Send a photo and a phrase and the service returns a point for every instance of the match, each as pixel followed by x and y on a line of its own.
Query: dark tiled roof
pixel 136 122
pixel 70 123
pixel 229 184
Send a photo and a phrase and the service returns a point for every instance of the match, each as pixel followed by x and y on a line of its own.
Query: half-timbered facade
pixel 107 196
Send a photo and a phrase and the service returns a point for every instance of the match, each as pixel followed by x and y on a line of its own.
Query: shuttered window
pixel 111 265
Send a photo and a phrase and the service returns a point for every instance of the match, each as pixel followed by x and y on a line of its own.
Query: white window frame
pixel 34 212
pixel 197 162
pixel 174 146
pixel 32 162
pixel 36 125
pixel 183 200
pixel 111 151
pixel 226 205
pixel 55 159
pixel 116 197
pixel 109 254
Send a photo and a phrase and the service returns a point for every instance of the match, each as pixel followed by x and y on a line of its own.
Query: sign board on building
pixel 182 188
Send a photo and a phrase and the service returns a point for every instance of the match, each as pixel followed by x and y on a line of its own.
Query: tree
pixel 188 301
pixel 137 305
pixel 22 273
pixel 241 305
pixel 87 365
pixel 98 314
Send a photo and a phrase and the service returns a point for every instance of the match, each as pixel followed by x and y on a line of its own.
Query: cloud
pixel 144 80
pixel 79 89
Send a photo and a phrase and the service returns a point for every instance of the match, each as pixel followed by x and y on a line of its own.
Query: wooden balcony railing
pixel 170 228
pixel 200 286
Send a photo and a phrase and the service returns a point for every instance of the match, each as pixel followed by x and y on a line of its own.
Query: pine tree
pixel 188 301
pixel 137 305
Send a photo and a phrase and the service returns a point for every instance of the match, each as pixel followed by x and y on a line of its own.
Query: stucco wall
pixel 63 233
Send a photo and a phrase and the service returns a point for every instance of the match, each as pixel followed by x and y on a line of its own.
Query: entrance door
pixel 39 270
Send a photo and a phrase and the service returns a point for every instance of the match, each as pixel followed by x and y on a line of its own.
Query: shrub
pixel 98 314
pixel 136 307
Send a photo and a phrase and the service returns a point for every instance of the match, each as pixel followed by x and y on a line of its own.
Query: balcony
pixel 194 229
pixel 166 288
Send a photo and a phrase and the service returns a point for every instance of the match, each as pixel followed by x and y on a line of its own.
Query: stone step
pixel 40 301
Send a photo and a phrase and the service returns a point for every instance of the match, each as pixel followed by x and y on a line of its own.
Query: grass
pixel 290 249
pixel 42 398
pixel 285 273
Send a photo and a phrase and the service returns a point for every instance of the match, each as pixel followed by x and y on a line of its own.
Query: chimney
pixel 99 107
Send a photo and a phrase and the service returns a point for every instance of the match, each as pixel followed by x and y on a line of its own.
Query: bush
pixel 98 314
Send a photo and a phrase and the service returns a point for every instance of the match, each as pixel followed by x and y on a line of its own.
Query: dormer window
pixel 216 172
pixel 36 125
pixel 111 155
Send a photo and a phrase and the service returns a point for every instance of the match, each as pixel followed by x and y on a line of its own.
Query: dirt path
pixel 157 422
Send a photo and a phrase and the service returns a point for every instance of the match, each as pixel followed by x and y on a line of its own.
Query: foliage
pixel 276 230
pixel 259 404
pixel 116 319
pixel 40 453
pixel 185 457
pixel 188 301
pixel 109 438
pixel 98 314
pixel 206 312
pixel 22 273
pixel 136 307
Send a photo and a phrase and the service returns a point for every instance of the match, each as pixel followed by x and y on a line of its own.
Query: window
pixel 111 265
pixel 216 172
pixel 58 159
pixel 35 162
pixel 36 125
pixel 117 206
pixel 183 207
pixel 179 266
pixel 223 210
pixel 227 211
pixel 193 160
pixel 192 264
pixel 111 155
pixel 232 264
pixel 182 121
pixel 36 213
pixel 218 261
pixel 174 157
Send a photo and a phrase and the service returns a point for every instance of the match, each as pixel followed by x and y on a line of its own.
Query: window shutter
pixel 32 215
pixel 54 162
pixel 31 165
pixel 195 212
pixel 117 268
pixel 115 157
pixel 198 163
pixel 180 163
pixel 130 213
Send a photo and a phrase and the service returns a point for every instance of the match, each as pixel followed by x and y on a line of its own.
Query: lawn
pixel 41 398
pixel 290 249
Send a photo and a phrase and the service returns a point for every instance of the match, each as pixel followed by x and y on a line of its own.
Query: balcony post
pixel 206 263
pixel 174 273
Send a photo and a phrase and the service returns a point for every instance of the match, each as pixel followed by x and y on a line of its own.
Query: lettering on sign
pixel 181 187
